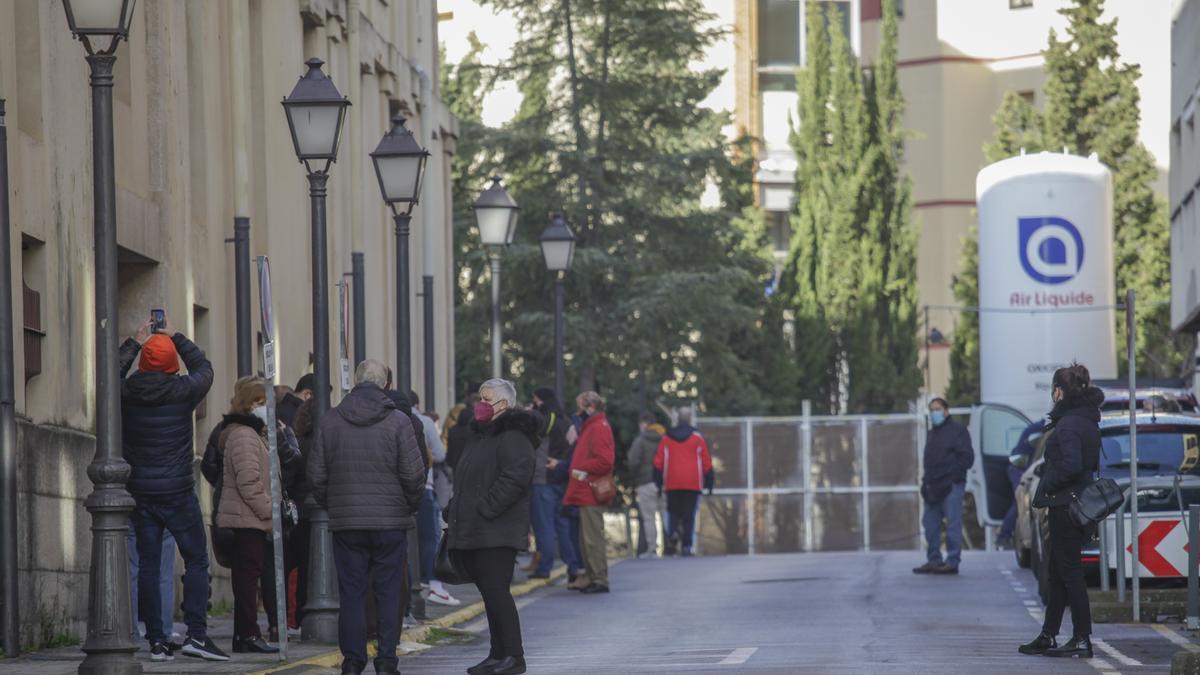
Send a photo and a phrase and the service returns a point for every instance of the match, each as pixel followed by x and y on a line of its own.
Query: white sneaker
pixel 442 598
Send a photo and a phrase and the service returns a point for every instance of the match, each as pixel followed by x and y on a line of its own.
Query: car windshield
pixel 1160 451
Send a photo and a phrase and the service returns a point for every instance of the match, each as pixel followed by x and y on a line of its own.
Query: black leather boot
pixel 483 667
pixel 1039 645
pixel 510 665
pixel 1079 647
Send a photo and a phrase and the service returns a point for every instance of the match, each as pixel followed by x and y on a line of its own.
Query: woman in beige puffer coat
pixel 245 507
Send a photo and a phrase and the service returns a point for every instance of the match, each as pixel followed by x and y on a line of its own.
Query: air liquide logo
pixel 1051 249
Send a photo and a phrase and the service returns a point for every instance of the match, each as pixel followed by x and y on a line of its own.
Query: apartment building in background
pixel 189 75
pixel 1184 198
pixel 957 60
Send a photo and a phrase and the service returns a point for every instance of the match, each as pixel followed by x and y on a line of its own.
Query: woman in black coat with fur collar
pixel 1071 459
pixel 488 517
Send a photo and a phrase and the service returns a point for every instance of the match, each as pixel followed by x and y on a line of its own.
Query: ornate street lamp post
pixel 315 111
pixel 558 248
pixel 399 165
pixel 109 646
pixel 496 214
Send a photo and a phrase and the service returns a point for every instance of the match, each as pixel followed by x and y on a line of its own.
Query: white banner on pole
pixel 264 289
pixel 343 334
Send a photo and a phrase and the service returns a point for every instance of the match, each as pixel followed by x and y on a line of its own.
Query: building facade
pixel 957 60
pixel 201 138
pixel 1185 168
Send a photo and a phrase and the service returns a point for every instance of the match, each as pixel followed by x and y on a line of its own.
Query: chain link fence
pixel 812 483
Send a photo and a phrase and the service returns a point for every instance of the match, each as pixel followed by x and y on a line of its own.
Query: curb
pixel 333 659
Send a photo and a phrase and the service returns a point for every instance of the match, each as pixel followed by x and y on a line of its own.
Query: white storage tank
pixel 1045 275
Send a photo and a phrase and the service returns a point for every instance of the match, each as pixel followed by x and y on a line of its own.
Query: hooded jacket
pixel 595 454
pixel 640 460
pixel 365 466
pixel 291 462
pixel 245 501
pixel 1072 448
pixel 682 461
pixel 948 457
pixel 492 484
pixel 156 420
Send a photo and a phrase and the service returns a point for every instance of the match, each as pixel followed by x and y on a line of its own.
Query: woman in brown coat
pixel 245 507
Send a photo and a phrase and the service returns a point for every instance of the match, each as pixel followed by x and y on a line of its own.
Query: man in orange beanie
pixel 157 405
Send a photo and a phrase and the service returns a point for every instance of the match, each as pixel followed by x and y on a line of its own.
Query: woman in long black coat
pixel 1072 458
pixel 488 517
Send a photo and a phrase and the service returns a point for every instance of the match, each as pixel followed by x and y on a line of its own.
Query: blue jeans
pixel 567 532
pixel 1009 526
pixel 950 510
pixel 545 503
pixel 358 554
pixel 180 515
pixel 166 581
pixel 427 534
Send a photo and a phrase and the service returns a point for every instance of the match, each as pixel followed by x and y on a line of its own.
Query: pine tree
pixel 611 132
pixel 1092 105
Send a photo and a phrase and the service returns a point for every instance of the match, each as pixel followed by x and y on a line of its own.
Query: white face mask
pixel 260 412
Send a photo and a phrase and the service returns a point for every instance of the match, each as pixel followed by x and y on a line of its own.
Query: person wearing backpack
pixel 1072 458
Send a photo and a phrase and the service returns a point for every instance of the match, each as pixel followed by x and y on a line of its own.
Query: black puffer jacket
pixel 365 466
pixel 490 507
pixel 1072 448
pixel 156 420
pixel 948 457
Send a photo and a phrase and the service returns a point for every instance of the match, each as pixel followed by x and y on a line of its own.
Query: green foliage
pixel 1092 105
pixel 611 133
pixel 851 273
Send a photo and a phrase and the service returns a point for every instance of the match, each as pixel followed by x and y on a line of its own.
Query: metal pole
pixel 806 465
pixel 494 257
pixel 1104 585
pixel 320 621
pixel 358 277
pixel 241 269
pixel 430 374
pixel 403 309
pixel 1131 340
pixel 1121 552
pixel 109 646
pixel 8 419
pixel 280 607
pixel 928 380
pixel 1193 601
pixel 560 369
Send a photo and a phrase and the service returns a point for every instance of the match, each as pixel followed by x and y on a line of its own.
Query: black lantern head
pixel 496 214
pixel 99 18
pixel 399 165
pixel 315 111
pixel 558 244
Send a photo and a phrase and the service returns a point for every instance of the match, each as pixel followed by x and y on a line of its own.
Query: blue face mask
pixel 937 417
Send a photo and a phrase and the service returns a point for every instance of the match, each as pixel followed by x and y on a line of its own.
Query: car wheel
pixel 1024 556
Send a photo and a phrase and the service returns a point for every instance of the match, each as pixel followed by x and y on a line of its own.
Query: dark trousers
pixel 681 509
pixel 1067 586
pixel 380 554
pixel 542 510
pixel 427 534
pixel 248 564
pixel 180 515
pixel 566 530
pixel 295 557
pixel 492 569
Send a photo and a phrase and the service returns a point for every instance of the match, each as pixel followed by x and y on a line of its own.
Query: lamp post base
pixel 320 622
pixel 109 645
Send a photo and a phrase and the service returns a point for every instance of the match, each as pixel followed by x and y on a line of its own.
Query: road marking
pixel 738 656
pixel 1030 603
pixel 1115 653
pixel 1103 666
pixel 1175 637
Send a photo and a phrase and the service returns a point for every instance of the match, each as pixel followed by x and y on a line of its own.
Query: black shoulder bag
pixel 1095 502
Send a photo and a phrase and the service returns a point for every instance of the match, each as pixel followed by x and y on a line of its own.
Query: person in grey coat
pixel 367 471
pixel 640 465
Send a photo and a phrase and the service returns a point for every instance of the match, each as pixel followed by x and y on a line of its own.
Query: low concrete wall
pixel 54 534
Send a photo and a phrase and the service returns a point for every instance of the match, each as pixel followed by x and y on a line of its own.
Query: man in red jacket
pixel 683 467
pixel 591 462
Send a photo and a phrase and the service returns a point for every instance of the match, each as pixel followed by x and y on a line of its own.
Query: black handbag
pixel 1096 502
pixel 444 568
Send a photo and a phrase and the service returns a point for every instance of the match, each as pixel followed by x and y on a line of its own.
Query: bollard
pixel 1121 552
pixel 1193 601
pixel 1104 585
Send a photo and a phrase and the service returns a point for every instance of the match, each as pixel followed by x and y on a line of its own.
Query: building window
pixel 33 277
pixel 779 33
pixel 1028 95
pixel 1020 4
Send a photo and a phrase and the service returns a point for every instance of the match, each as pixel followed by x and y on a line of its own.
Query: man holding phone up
pixel 157 405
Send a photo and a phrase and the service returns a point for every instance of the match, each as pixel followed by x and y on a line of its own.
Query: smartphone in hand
pixel 159 318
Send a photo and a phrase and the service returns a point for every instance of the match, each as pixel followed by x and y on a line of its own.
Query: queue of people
pixel 381 467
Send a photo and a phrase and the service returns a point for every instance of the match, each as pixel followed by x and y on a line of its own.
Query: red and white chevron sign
pixel 1162 547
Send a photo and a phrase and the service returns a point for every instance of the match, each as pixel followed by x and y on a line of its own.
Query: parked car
pixel 1167 484
pixel 1152 396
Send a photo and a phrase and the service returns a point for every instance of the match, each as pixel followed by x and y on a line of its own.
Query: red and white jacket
pixel 683 461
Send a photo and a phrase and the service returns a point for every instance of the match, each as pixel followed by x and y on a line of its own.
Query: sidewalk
pixel 303 658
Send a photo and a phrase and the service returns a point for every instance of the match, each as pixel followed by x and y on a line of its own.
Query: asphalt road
pixel 816 613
